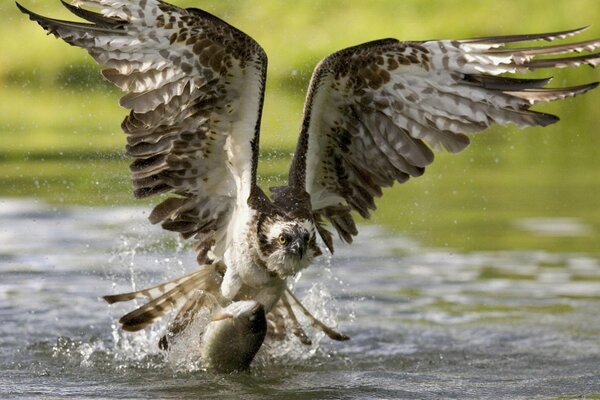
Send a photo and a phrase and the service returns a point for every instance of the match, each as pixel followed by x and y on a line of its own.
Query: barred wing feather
pixel 374 113
pixel 195 87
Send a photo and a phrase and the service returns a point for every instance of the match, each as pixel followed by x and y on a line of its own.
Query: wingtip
pixel 23 9
pixel 110 299
pixel 69 6
pixel 583 89
pixel 567 33
pixel 549 120
pixel 529 37
pixel 571 32
pixel 72 8
pixel 93 17
pixel 584 28
pixel 32 16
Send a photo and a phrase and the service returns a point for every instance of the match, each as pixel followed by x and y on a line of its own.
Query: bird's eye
pixel 282 240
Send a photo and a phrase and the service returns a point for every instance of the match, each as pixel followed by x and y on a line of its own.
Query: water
pixel 425 323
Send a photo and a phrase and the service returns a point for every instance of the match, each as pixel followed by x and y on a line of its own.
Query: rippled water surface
pixel 425 323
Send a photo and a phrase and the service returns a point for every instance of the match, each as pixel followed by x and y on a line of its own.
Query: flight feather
pixel 195 88
pixel 375 112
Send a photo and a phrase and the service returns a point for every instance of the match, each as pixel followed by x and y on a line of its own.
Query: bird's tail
pixel 172 295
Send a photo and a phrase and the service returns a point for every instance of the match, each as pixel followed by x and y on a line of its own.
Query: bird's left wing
pixel 374 112
pixel 195 87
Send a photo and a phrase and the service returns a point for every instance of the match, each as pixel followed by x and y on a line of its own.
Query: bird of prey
pixel 374 114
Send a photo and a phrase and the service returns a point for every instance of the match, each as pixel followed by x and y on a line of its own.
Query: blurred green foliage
pixel 60 138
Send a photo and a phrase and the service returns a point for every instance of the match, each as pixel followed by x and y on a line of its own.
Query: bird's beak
pixel 298 247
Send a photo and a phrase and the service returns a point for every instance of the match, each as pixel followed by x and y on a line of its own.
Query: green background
pixel 60 139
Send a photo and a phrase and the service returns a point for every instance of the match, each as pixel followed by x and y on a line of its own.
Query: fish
pixel 234 336
pixel 235 330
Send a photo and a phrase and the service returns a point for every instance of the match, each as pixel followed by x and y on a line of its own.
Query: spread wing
pixel 375 112
pixel 195 88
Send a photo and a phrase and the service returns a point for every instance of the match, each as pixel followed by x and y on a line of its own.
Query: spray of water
pixel 145 263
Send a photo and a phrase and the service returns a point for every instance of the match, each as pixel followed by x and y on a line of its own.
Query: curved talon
pixel 332 333
pixel 297 329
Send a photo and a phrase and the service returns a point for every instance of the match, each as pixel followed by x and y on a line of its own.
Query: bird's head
pixel 287 245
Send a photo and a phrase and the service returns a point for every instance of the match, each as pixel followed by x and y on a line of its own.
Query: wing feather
pixel 195 88
pixel 374 112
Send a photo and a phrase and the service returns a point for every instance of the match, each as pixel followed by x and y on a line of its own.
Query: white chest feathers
pixel 287 247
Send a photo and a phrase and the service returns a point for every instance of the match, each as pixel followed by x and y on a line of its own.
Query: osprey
pixel 373 115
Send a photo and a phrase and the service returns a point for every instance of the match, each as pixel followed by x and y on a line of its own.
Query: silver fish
pixel 234 336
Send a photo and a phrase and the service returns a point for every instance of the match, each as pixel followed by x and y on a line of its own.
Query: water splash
pixel 184 353
pixel 320 301
pixel 135 252
pixel 84 354
pixel 511 322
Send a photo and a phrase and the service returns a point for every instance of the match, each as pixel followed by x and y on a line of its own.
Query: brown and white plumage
pixel 374 115
pixel 194 86
pixel 183 294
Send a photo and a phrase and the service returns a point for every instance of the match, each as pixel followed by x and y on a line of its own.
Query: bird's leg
pixel 333 334
pixel 276 324
pixel 296 328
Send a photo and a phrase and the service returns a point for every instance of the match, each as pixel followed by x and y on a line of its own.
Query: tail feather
pixel 167 296
pixel 186 315
pixel 148 313
pixel 158 290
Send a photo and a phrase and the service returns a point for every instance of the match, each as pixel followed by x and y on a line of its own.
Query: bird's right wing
pixel 195 87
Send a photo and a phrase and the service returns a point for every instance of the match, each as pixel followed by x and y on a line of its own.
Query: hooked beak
pixel 298 247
